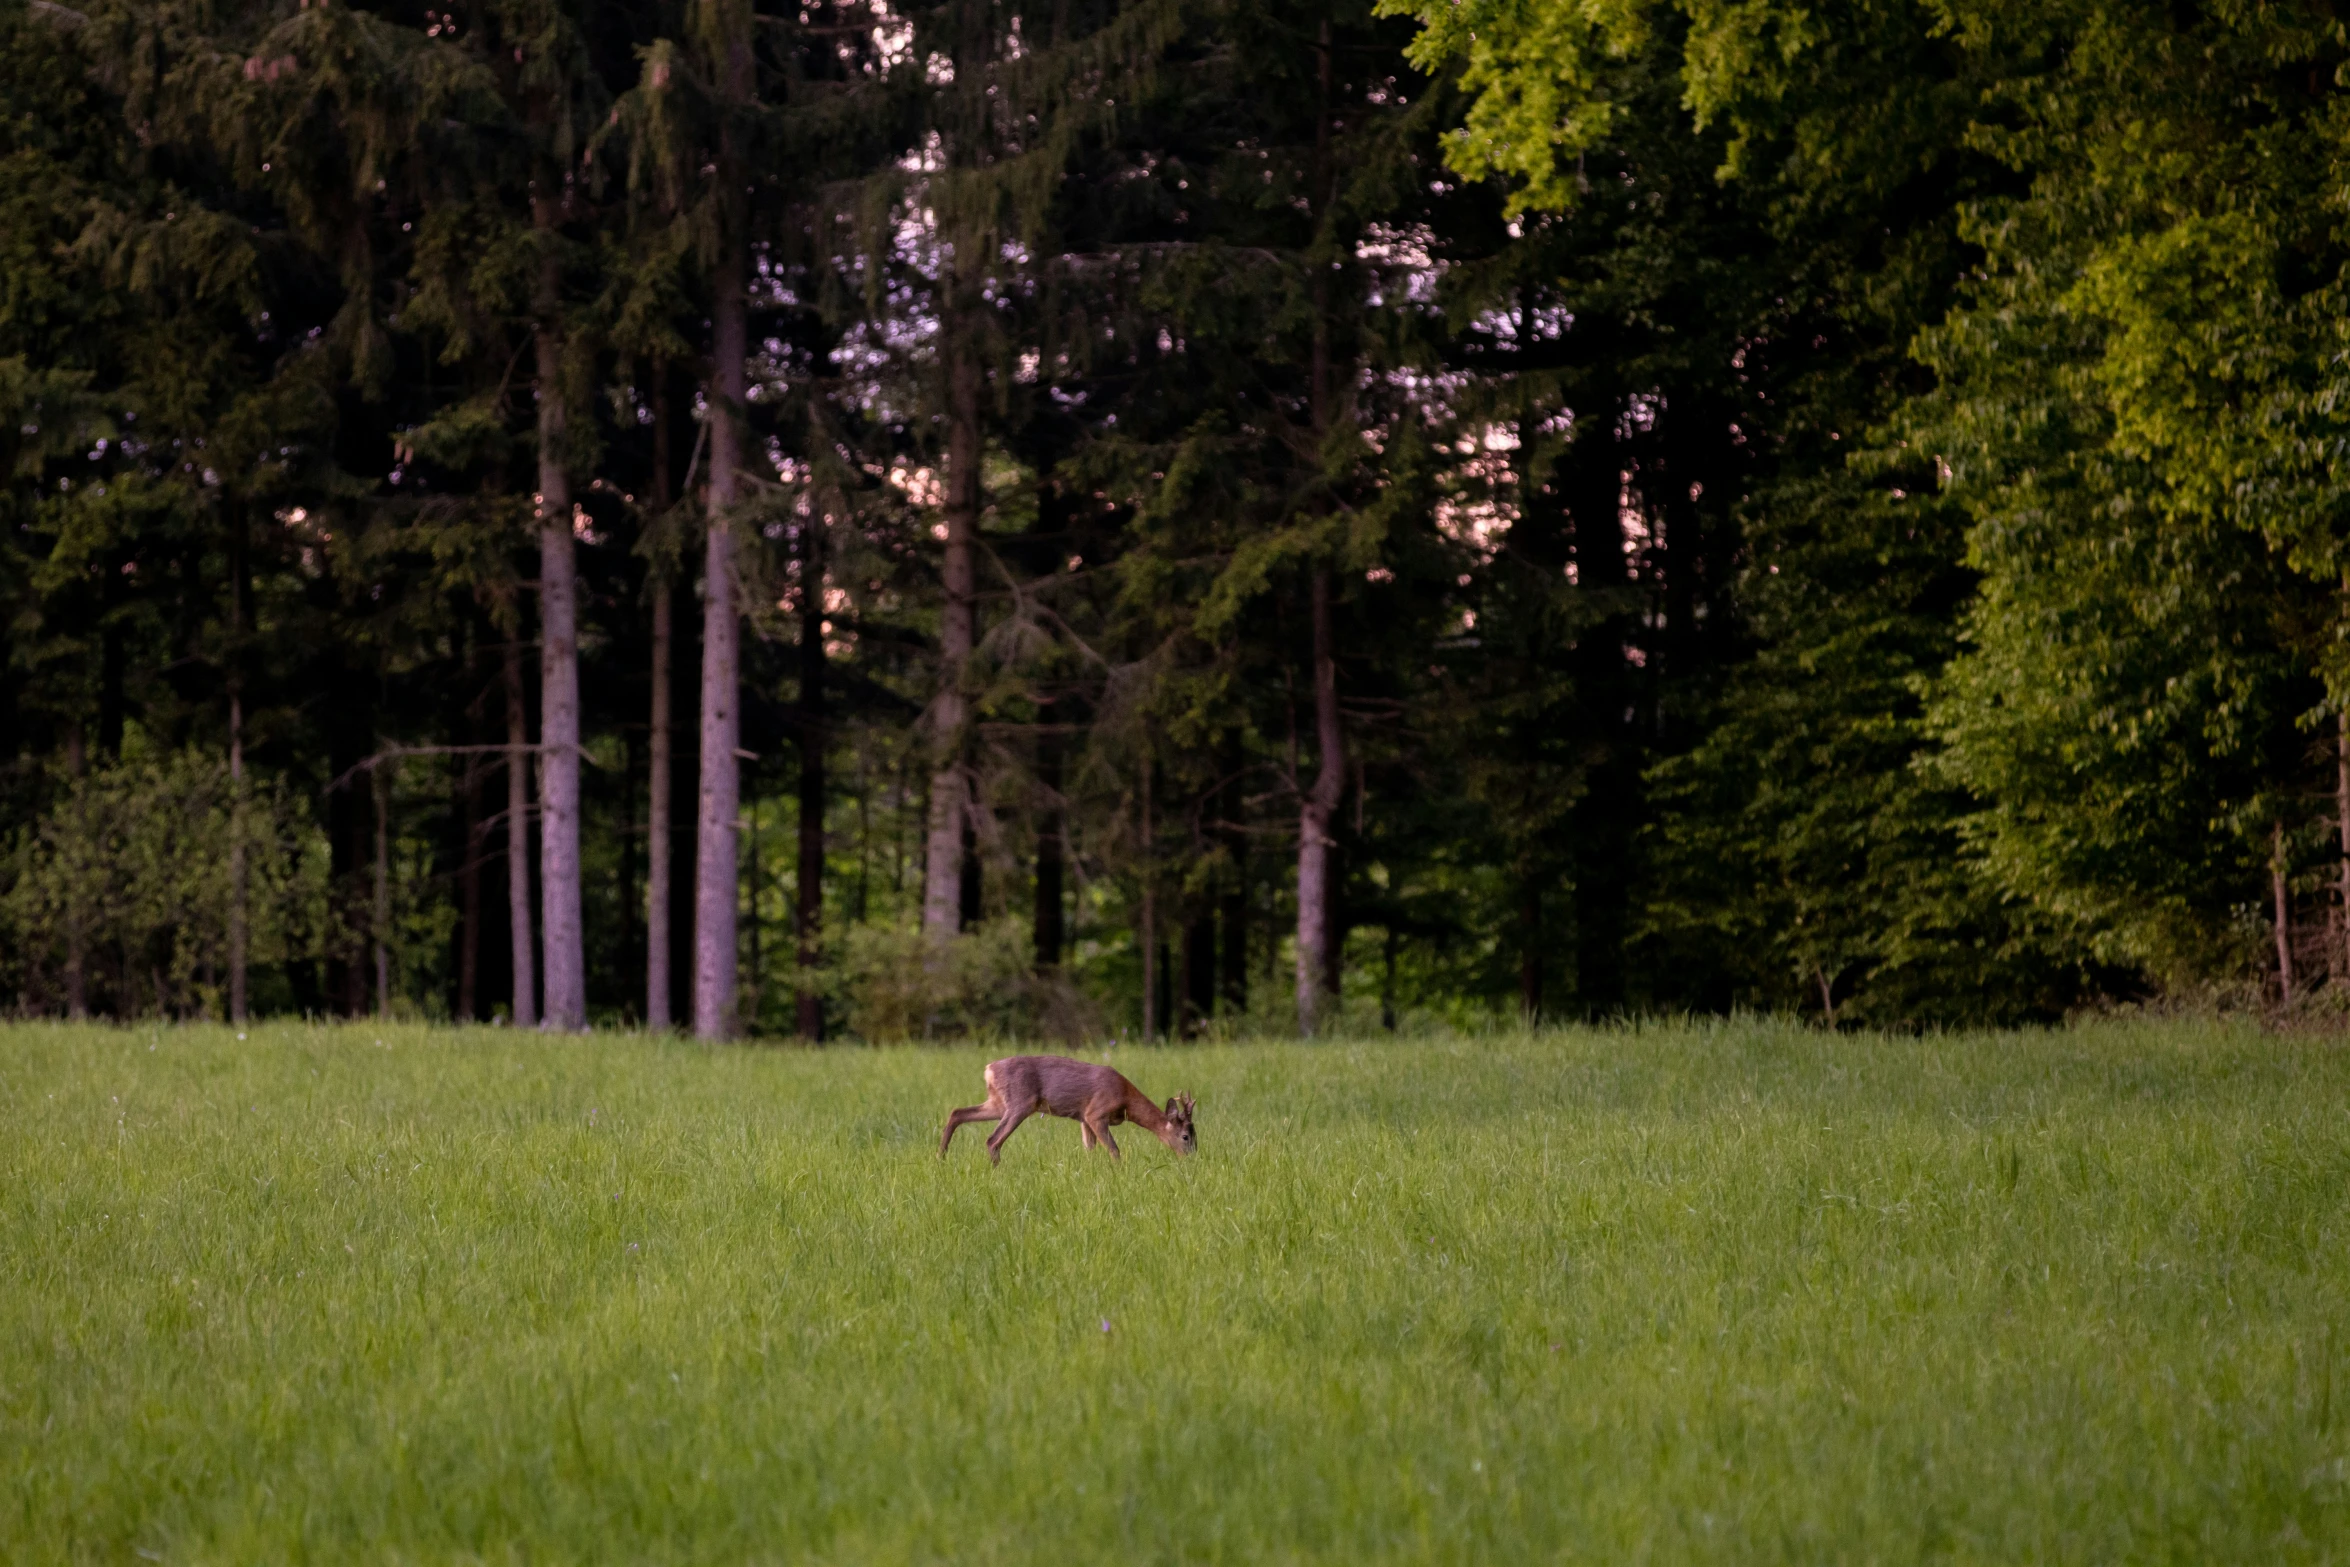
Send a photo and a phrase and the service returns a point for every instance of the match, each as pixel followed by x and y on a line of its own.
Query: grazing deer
pixel 1095 1097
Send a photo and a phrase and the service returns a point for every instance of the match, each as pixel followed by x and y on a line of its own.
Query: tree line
pixel 1165 515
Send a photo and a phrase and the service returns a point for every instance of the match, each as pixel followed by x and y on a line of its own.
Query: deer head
pixel 1180 1135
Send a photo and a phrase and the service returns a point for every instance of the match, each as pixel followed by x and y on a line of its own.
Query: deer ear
pixel 1174 1107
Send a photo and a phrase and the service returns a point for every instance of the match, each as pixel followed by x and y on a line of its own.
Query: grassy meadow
pixel 1735 1293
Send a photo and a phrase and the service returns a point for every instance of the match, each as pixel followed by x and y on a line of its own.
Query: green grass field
pixel 1741 1293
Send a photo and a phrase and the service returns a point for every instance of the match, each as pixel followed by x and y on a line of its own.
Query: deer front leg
pixel 1099 1131
pixel 958 1118
pixel 1012 1120
pixel 1084 1134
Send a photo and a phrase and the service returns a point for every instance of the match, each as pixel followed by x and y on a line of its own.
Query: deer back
pixel 1064 1087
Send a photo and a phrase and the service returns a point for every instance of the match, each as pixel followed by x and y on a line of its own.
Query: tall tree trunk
pixel 1199 969
pixel 1530 952
pixel 815 734
pixel 561 919
pixel 1680 544
pixel 943 897
pixel 970 889
pixel 1387 981
pixel 113 661
pixel 657 804
pixel 1200 973
pixel 1336 927
pixel 351 727
pixel 2342 824
pixel 717 884
pixel 1233 902
pixel 469 887
pixel 685 792
pixel 758 882
pixel 717 874
pixel 237 880
pixel 1538 540
pixel 658 809
pixel 858 894
pixel 518 916
pixel 632 892
pixel 2284 917
pixel 1150 908
pixel 1319 814
pixel 358 905
pixel 380 919
pixel 1050 825
pixel 1602 821
pixel 1233 953
pixel 897 819
pixel 77 958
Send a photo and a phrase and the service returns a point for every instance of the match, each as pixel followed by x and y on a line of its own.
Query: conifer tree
pixel 721 153
pixel 1010 97
pixel 724 35
pixel 1280 300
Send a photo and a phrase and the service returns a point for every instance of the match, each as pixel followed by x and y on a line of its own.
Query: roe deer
pixel 1095 1097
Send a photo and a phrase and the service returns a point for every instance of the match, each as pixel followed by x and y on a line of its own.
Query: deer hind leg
pixel 959 1118
pixel 1011 1124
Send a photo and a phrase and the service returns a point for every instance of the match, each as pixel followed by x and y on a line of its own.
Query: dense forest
pixel 1164 516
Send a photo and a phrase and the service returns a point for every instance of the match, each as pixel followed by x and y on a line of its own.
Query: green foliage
pixel 1809 832
pixel 896 984
pixel 2134 400
pixel 129 873
pixel 1835 510
pixel 2136 408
